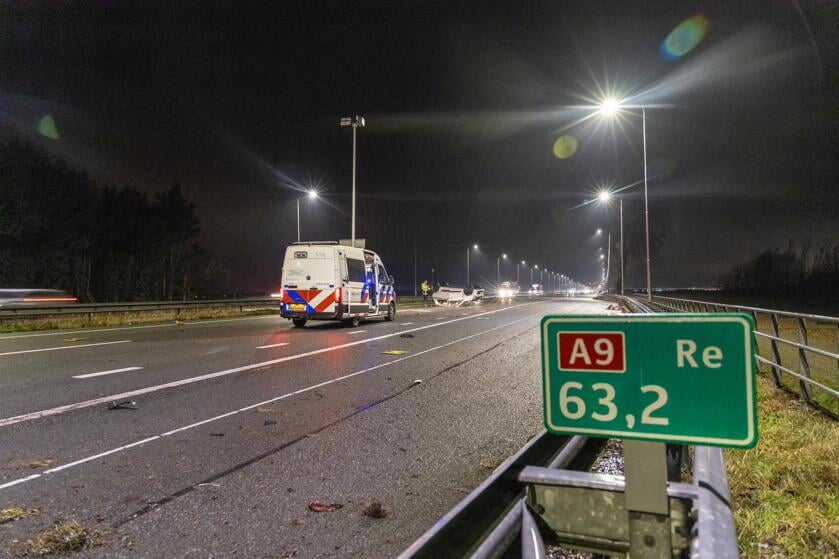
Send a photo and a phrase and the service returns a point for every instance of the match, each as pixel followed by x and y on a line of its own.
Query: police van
pixel 328 281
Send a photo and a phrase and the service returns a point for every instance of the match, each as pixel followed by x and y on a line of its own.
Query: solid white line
pixel 406 323
pixel 62 347
pixel 130 394
pixel 21 480
pixel 100 455
pixel 111 372
pixel 272 345
pixel 259 404
pixel 118 328
pixel 356 332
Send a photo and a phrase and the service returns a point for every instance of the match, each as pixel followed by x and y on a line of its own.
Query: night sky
pixel 240 103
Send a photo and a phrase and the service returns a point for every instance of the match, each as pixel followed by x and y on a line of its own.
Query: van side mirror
pixel 391 281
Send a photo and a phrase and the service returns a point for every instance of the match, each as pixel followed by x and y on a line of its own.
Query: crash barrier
pixel 785 340
pixel 25 312
pixel 545 493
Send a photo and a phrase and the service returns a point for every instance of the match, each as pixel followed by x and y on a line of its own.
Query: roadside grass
pixel 785 491
pixel 99 320
pixel 822 368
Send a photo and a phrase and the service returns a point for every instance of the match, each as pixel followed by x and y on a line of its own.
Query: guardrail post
pixel 803 361
pixel 776 352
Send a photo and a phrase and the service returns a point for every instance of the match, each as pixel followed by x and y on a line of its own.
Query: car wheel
pixel 391 312
pixel 353 322
pixel 299 322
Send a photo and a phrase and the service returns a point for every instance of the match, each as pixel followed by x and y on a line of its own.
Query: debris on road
pixel 324 507
pixel 374 509
pixel 209 485
pixel 73 339
pixel 270 422
pixel 395 352
pixel 265 410
pixel 407 336
pixel 124 405
pixel 16 513
pixel 65 538
pixel 216 434
pixel 418 381
pixel 31 464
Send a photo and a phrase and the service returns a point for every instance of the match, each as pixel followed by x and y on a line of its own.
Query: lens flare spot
pixel 565 147
pixel 46 127
pixel 685 37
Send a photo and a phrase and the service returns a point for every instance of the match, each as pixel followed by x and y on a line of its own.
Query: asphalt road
pixel 240 424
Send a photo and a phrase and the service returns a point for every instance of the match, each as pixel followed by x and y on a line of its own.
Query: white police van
pixel 328 281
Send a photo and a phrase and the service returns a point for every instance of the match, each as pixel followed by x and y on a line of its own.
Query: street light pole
pixel 356 122
pixel 468 250
pixel 498 268
pixel 312 194
pixel 646 205
pixel 620 200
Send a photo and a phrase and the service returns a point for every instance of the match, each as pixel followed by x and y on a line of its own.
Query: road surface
pixel 240 424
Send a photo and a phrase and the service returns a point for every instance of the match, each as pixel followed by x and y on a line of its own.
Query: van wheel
pixel 353 322
pixel 299 322
pixel 391 312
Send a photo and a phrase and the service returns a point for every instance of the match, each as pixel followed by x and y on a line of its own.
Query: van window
pixel 355 270
pixel 382 275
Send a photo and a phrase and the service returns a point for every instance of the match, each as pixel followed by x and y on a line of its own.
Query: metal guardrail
pixel 42 311
pixel 546 490
pixel 817 379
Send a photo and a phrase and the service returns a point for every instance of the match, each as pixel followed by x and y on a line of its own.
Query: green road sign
pixel 680 378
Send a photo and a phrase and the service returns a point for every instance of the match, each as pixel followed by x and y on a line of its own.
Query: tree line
pixel 798 269
pixel 59 229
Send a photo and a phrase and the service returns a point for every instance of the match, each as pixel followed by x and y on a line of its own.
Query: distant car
pixel 20 297
pixel 536 289
pixel 507 290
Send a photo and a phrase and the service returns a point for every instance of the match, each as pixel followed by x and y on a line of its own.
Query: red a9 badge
pixel 592 351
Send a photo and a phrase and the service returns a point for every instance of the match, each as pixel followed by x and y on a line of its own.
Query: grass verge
pixel 125 319
pixel 785 491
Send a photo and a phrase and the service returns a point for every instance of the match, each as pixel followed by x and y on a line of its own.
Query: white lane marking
pixel 271 345
pixel 21 480
pixel 257 405
pixel 111 372
pixel 356 332
pixel 101 455
pixel 62 347
pixel 406 323
pixel 130 394
pixel 87 331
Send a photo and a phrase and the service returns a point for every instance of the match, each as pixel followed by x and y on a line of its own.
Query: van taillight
pixel 278 295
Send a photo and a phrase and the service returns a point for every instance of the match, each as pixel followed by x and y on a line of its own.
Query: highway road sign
pixel 680 378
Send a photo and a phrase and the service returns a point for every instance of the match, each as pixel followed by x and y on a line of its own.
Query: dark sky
pixel 240 102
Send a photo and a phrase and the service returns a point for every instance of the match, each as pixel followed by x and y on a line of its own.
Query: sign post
pixel 650 380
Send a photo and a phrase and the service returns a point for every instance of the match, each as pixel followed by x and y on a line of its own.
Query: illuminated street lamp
pixel 605 197
pixel 468 250
pixel 311 195
pixel 498 268
pixel 610 107
pixel 518 275
pixel 356 122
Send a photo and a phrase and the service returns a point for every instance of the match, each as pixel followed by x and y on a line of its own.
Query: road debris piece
pixel 407 336
pixel 209 485
pixel 324 507
pixel 418 381
pixel 65 538
pixel 265 410
pixel 374 509
pixel 124 405
pixel 270 422
pixel 73 339
pixel 16 513
pixel 31 464
pixel 395 352
pixel 216 434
